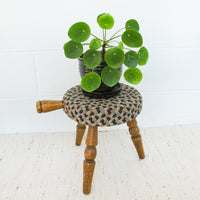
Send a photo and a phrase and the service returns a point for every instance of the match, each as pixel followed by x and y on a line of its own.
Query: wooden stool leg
pixel 90 154
pixel 136 137
pixel 80 129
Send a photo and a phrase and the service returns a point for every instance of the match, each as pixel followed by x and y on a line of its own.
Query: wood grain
pixel 90 154
pixel 80 130
pixel 136 137
pixel 48 105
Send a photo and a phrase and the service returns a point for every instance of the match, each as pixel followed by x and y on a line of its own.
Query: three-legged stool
pixel 95 113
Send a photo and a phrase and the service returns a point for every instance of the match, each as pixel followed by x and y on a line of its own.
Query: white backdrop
pixel 33 66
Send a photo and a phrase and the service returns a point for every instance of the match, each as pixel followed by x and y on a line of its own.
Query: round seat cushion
pixel 102 112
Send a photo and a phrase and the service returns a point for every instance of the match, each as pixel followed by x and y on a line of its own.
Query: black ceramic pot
pixel 103 91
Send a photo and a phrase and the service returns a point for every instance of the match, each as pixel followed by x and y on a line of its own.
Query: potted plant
pixel 100 66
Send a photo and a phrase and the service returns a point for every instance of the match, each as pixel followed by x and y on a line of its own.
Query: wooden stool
pixel 98 113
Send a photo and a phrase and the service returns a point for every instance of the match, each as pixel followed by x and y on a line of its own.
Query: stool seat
pixel 117 110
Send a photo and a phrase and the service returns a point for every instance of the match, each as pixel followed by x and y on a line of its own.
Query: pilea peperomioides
pixel 115 53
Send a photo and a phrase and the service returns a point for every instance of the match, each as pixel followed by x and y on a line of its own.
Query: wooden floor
pixel 49 166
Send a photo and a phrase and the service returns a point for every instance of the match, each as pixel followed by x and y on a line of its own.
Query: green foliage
pixel 120 45
pixel 95 44
pixel 114 57
pixel 91 81
pixel 133 76
pixel 131 59
pixel 79 32
pixel 92 58
pixel 114 54
pixel 143 56
pixel 73 49
pixel 132 38
pixel 110 76
pixel 105 21
pixel 132 24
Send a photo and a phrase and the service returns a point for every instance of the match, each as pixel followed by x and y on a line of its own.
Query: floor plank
pixel 49 166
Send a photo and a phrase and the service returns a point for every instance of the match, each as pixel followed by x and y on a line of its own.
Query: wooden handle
pixel 48 105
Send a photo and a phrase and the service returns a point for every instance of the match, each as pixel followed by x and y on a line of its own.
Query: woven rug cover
pixel 102 112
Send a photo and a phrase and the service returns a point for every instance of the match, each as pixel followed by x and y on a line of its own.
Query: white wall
pixel 33 66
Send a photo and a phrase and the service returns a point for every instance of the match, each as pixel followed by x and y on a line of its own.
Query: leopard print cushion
pixel 102 112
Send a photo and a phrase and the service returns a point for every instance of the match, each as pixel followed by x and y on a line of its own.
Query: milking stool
pixel 123 108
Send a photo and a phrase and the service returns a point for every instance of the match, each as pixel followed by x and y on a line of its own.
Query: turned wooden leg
pixel 90 154
pixel 80 129
pixel 48 105
pixel 136 137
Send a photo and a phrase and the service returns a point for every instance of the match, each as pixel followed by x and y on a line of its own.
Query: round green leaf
pixel 132 38
pixel 73 49
pixel 143 56
pixel 133 76
pixel 120 45
pixel 110 76
pixel 105 21
pixel 132 24
pixel 92 58
pixel 79 32
pixel 91 81
pixel 114 57
pixel 131 59
pixel 95 44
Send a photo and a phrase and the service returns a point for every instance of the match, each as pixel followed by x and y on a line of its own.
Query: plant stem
pixel 103 50
pixel 104 44
pixel 127 49
pixel 96 37
pixel 117 32
pixel 113 38
pixel 114 41
pixel 107 45
pixel 85 43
